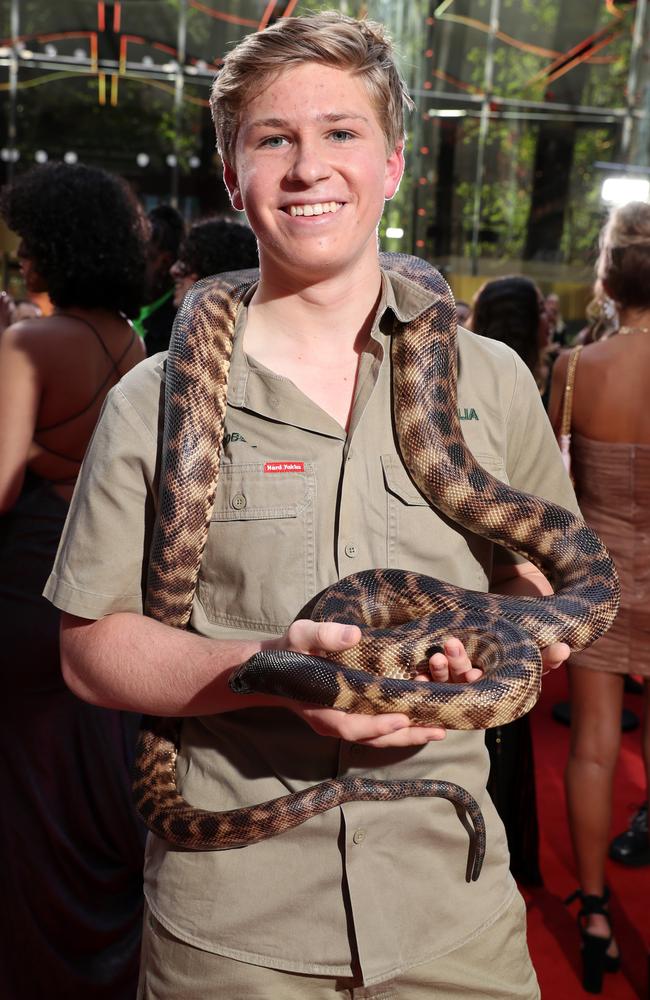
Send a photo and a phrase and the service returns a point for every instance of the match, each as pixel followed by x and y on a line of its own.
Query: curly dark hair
pixel 85 232
pixel 508 309
pixel 167 228
pixel 218 244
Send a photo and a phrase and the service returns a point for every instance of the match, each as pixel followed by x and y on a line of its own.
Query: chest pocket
pixel 258 567
pixel 421 539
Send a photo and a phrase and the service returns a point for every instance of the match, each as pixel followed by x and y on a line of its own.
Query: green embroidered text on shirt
pixel 467 413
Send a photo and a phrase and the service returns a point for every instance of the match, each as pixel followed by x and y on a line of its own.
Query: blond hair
pixel 330 38
pixel 624 261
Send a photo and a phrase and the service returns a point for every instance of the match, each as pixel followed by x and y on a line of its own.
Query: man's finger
pixel 305 635
pixel 459 661
pixel 414 736
pixel 554 656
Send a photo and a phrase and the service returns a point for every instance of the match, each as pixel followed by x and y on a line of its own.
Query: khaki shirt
pixel 299 504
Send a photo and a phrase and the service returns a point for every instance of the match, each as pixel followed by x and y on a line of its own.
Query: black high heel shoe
pixel 595 960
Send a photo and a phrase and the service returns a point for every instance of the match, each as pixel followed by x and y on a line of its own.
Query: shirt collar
pixel 405 297
pixel 400 296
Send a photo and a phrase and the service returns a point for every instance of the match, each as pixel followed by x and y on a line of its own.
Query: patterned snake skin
pixel 404 617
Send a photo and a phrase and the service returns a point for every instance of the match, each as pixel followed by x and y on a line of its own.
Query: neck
pixel 634 318
pixel 332 315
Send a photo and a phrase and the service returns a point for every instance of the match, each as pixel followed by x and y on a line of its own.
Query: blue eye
pixel 274 141
pixel 341 135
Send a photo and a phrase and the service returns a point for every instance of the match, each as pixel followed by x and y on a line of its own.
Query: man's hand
pixel 454 664
pixel 390 729
pixel 554 656
pixel 387 730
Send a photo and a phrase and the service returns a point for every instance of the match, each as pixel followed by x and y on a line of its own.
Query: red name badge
pixel 284 467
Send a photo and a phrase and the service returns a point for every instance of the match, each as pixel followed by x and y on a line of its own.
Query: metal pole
pixel 632 79
pixel 483 131
pixel 12 136
pixel 179 85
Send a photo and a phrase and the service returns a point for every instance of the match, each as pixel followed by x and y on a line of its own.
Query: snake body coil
pixel 403 616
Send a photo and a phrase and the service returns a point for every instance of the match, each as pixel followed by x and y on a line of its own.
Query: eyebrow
pixel 331 116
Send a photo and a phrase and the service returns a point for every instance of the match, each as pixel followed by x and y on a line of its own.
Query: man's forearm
pixel 130 662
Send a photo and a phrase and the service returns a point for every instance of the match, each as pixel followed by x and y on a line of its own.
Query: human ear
pixel 394 171
pixel 230 180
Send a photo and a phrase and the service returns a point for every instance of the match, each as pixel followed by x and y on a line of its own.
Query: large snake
pixel 403 616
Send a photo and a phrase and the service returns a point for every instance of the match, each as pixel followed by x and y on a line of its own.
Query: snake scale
pixel 403 616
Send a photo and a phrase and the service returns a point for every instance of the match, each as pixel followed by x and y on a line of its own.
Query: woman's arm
pixel 20 392
pixel 556 398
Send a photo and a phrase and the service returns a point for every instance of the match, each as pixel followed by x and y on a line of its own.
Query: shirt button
pixel 238 501
pixel 351 551
pixel 359 836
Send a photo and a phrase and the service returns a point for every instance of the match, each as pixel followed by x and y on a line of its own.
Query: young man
pixel 370 899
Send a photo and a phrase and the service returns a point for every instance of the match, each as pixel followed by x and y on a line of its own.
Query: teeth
pixel 321 208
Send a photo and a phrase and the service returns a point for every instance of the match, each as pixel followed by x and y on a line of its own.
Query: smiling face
pixel 312 173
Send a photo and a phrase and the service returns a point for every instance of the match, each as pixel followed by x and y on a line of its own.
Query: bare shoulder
pixel 36 333
pixel 21 334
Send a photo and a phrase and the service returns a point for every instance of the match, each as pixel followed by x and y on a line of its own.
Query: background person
pixel 309 116
pixel 70 845
pixel 463 312
pixel 25 309
pixel 558 331
pixel 511 310
pixel 156 318
pixel 212 246
pixel 13 310
pixel 610 449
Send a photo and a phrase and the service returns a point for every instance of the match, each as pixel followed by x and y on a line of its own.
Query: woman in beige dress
pixel 610 451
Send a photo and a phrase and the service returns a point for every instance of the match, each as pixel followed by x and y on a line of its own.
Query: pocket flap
pixel 248 493
pixel 398 482
pixel 401 485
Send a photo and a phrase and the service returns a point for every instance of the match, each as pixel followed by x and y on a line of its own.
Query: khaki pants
pixel 494 965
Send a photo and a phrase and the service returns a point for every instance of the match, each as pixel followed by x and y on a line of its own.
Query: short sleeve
pixel 101 563
pixel 533 459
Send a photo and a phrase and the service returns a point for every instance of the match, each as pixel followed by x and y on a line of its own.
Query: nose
pixel 309 163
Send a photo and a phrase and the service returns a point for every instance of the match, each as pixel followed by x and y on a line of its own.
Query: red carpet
pixel 552 932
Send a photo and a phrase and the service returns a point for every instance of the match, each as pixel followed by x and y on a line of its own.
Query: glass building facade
pixel 523 109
